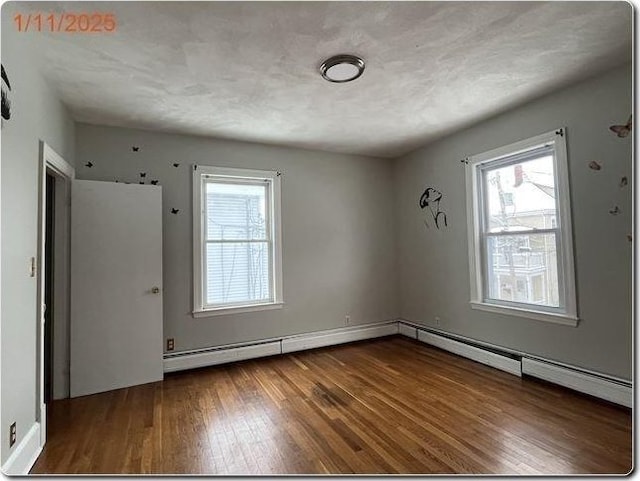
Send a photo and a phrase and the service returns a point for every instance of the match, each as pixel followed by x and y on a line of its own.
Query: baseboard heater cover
pixel 238 352
pixel 408 331
pixel 312 341
pixel 600 386
pixel 504 363
pixel 597 386
pixel 221 356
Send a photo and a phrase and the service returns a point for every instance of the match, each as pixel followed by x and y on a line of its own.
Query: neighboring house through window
pixel 237 241
pixel 520 238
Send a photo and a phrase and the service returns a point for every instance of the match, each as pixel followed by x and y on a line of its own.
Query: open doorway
pixel 53 283
pixel 49 309
pixel 56 286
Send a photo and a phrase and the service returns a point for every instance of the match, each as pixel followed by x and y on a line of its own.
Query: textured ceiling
pixel 249 70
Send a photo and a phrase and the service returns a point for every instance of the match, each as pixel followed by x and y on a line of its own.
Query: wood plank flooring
pixel 392 405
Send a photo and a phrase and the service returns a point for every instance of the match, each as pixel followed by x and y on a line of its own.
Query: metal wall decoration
pixel 593 165
pixel 143 177
pixel 622 130
pixel 430 200
pixel 6 102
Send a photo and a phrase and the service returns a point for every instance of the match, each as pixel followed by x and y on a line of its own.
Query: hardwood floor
pixel 392 405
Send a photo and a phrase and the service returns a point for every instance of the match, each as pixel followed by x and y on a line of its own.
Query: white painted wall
pixel 36 115
pixel 337 217
pixel 434 266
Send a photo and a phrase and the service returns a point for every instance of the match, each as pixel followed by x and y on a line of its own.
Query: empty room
pixel 311 238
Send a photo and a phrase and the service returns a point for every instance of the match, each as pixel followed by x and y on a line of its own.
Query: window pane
pixel 237 272
pixel 521 196
pixel 235 211
pixel 523 268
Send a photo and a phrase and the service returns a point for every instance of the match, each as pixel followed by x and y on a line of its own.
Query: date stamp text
pixel 66 22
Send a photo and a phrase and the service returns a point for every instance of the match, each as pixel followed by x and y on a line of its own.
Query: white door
pixel 116 286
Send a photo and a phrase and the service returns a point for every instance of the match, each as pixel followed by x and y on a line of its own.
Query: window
pixel 237 241
pixel 520 239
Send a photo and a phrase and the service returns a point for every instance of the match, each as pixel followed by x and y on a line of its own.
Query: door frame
pixel 50 161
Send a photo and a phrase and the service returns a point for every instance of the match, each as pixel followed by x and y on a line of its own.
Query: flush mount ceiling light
pixel 342 68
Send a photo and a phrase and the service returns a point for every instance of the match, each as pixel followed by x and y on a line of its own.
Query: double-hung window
pixel 520 237
pixel 237 240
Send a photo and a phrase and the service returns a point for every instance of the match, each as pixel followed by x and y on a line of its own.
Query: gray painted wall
pixel 338 247
pixel 342 228
pixel 36 115
pixel 434 265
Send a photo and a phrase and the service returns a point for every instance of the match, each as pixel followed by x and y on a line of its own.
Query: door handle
pixel 155 290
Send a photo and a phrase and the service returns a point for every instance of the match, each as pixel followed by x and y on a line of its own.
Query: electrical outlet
pixel 170 344
pixel 347 320
pixel 12 434
pixel 437 319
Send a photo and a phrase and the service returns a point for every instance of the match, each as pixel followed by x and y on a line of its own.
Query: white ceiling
pixel 249 70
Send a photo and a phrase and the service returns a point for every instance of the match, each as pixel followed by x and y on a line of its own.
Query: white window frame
pixel 566 314
pixel 201 174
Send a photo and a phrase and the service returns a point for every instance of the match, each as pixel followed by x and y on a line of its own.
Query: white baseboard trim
pixel 269 347
pixel 26 453
pixel 504 363
pixel 458 337
pixel 604 387
pixel 220 356
pixel 579 381
pixel 337 336
pixel 609 388
pixel 408 331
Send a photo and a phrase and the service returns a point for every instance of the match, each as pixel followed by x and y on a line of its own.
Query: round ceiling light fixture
pixel 342 68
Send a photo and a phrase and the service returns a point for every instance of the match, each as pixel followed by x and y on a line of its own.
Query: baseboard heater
pixel 221 355
pixel 269 347
pixel 605 387
pixel 491 357
pixel 598 385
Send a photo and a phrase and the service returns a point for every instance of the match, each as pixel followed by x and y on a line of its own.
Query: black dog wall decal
pixel 431 198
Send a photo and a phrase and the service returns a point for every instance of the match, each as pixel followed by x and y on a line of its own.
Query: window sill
pixel 564 319
pixel 224 311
